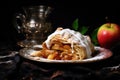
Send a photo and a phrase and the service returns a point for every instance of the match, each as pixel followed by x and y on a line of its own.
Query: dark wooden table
pixel 25 69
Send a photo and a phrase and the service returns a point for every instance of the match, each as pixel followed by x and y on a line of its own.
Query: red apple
pixel 108 35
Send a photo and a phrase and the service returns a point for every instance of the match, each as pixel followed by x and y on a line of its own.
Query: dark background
pixel 89 13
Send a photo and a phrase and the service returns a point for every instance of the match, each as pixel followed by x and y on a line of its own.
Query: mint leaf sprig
pixel 84 29
pixel 94 36
pixel 75 26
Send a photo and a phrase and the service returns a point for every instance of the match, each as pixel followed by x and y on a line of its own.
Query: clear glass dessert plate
pixel 101 54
